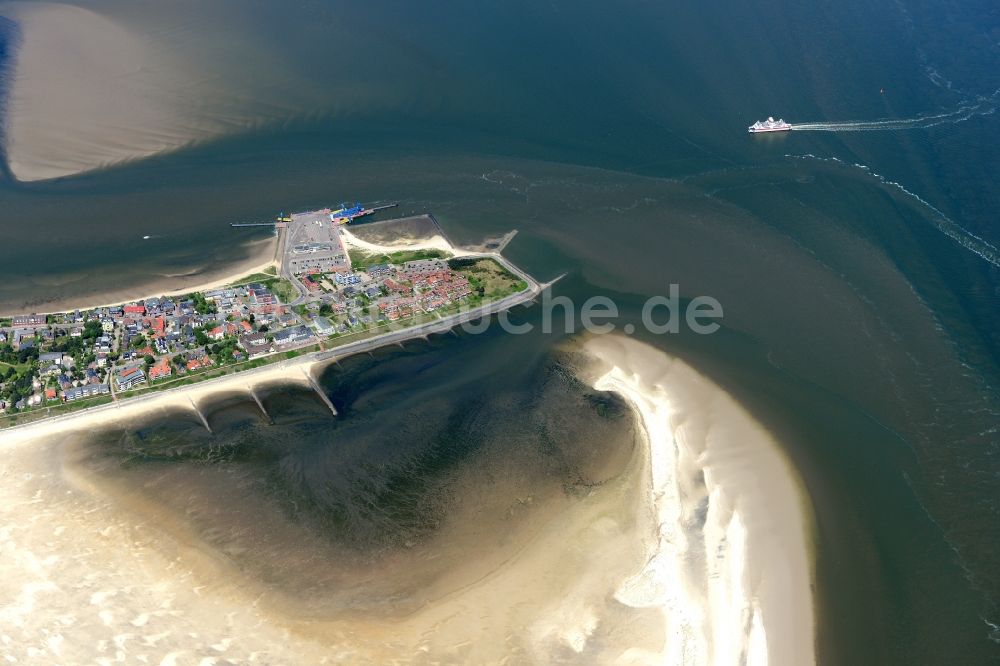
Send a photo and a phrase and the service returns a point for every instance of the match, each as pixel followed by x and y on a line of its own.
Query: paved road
pixel 284 271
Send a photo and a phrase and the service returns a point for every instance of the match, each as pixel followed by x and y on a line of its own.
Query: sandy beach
pixel 436 242
pixel 698 553
pixel 260 259
pixel 198 283
pixel 733 587
pixel 84 582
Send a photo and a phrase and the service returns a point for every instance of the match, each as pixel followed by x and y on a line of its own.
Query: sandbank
pixel 730 559
pixel 95 87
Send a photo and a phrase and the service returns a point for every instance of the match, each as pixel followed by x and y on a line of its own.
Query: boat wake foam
pixel 983 106
pixel 970 241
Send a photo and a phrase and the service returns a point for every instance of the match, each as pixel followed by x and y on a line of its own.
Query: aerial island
pixel 331 290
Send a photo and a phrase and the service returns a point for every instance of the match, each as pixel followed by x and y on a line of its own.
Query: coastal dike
pixel 384 238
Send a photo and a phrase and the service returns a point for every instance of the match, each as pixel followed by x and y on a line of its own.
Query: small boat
pixel 769 125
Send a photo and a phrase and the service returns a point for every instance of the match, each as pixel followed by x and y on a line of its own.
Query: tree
pixel 92 329
pixel 253 318
pixel 149 360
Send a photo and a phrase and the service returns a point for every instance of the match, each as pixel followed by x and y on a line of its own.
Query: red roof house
pixel 160 369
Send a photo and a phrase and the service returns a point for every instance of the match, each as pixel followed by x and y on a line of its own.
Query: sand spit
pixel 435 242
pixel 90 90
pixel 729 564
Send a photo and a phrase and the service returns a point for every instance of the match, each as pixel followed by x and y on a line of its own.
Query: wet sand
pixel 521 567
pixel 691 549
pixel 88 576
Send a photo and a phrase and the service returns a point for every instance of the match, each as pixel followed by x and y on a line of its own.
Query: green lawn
pixel 19 367
pixel 283 289
pixel 256 277
pixel 268 274
pixel 489 275
pixel 38 413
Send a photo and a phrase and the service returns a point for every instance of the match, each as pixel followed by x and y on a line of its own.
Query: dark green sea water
pixel 861 317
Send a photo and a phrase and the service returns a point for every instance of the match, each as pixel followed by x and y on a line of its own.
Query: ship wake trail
pixel 944 224
pixel 984 106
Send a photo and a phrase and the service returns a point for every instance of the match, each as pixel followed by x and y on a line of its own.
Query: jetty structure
pixel 346 214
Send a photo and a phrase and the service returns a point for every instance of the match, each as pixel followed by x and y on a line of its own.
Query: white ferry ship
pixel 769 125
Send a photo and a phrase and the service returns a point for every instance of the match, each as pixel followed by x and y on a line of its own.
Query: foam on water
pixel 944 224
